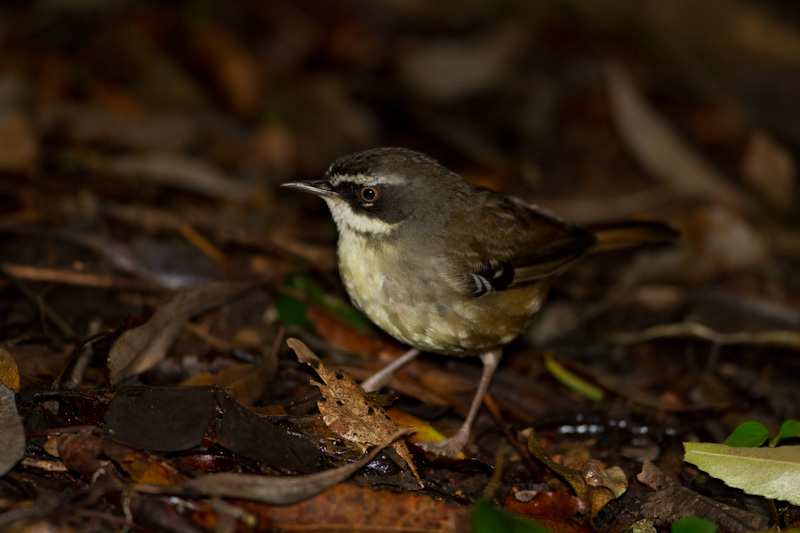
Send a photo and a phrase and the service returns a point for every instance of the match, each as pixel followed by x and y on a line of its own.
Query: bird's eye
pixel 369 194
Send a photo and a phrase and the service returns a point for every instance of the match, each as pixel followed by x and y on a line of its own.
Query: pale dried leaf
pixel 769 168
pixel 662 152
pixel 174 170
pixel 143 347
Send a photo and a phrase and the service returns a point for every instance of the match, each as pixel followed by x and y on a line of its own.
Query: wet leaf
pixel 12 432
pixel 347 410
pixel 573 477
pixel 594 484
pixel 143 347
pixel 137 417
pixel 769 472
pixel 555 510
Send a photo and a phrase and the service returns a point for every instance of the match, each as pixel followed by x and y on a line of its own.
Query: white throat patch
pixel 346 218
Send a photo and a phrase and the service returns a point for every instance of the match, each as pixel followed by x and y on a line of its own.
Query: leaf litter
pixel 143 145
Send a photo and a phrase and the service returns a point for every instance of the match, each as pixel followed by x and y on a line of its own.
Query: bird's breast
pixel 417 297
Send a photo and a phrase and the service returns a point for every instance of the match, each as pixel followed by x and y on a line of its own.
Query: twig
pixel 84 279
pixel 782 338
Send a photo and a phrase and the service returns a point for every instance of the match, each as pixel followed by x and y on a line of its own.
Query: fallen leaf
pixel 770 472
pixel 448 69
pixel 143 347
pixel 672 502
pixel 593 484
pixel 80 451
pixel 173 170
pixel 12 432
pixel 137 417
pixel 346 507
pixel 274 490
pixel 486 518
pixel 244 382
pixel 769 168
pixel 9 371
pixel 347 410
pixel 231 64
pixel 555 510
pixel 141 466
pixel 662 152
pixel 19 146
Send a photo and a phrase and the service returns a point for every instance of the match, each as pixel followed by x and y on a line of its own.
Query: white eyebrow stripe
pixel 364 179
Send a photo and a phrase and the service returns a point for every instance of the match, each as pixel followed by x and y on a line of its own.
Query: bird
pixel 446 266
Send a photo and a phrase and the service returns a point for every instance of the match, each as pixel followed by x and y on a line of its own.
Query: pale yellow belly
pixel 414 302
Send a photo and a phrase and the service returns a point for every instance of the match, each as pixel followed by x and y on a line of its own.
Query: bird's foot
pixel 451 447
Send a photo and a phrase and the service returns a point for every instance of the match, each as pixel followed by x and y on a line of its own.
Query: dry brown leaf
pixel 233 69
pixel 140 465
pixel 348 411
pixel 341 334
pixel 244 383
pixel 346 507
pixel 143 347
pixel 19 145
pixel 9 371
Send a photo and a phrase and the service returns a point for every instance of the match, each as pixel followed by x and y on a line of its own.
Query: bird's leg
pixel 453 445
pixel 382 377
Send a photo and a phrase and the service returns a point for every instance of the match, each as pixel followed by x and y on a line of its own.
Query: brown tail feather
pixel 613 236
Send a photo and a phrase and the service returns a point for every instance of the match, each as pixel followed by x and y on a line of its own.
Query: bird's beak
pixel 320 188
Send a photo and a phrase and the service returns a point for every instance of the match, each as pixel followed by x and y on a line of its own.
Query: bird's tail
pixel 614 236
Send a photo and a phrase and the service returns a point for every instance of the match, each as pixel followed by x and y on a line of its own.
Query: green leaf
pixel 789 430
pixel 572 381
pixel 309 291
pixel 292 312
pixel 769 472
pixel 693 524
pixel 749 434
pixel 486 518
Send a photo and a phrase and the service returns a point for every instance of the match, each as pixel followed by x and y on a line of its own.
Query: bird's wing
pixel 524 244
